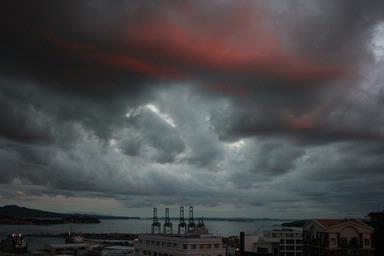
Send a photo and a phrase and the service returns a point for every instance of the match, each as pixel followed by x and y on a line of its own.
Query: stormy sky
pixel 240 108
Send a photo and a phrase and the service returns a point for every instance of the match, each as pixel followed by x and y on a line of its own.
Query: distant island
pixel 17 215
pixel 295 224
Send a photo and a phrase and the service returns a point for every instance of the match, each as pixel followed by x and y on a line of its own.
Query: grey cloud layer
pixel 83 129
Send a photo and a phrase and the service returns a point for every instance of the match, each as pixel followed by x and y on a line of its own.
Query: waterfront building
pixel 290 241
pixel 338 237
pixel 255 245
pixel 177 245
pixel 191 239
pixel 277 242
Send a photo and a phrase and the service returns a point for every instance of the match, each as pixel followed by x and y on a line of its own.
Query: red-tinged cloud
pixel 119 61
pixel 314 123
pixel 187 43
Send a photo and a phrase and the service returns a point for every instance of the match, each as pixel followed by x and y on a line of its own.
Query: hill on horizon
pixel 24 212
pixel 20 211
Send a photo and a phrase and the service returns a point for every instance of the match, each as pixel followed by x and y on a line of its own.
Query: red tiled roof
pixel 332 222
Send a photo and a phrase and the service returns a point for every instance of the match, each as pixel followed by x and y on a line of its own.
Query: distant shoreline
pixel 78 219
pixel 233 219
pixel 18 215
pixel 86 235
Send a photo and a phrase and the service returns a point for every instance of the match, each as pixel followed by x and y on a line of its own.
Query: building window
pixel 343 241
pixel 217 245
pixel 290 241
pixel 185 246
pixel 366 241
pixel 353 241
pixel 205 246
pixel 332 242
pixel 193 246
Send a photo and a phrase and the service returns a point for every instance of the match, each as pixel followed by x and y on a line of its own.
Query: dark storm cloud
pixel 315 111
pixel 247 103
pixel 81 43
pixel 331 29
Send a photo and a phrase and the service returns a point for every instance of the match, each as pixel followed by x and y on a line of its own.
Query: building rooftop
pixel 188 235
pixel 120 247
pixel 327 223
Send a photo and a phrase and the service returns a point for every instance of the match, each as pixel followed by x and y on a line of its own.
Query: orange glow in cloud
pixel 238 43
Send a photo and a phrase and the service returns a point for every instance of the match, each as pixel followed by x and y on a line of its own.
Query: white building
pixel 191 239
pixel 291 241
pixel 177 245
pixel 259 245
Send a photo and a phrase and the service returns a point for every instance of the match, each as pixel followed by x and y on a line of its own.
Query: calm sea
pixel 223 228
